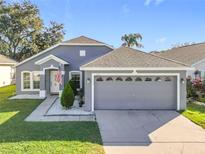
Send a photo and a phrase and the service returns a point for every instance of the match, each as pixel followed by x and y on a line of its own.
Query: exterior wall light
pixel 88 80
pixel 182 81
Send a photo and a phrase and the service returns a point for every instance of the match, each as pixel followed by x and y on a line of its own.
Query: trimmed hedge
pixel 67 97
pixel 73 86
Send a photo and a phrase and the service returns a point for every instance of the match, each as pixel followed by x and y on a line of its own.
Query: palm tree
pixel 131 40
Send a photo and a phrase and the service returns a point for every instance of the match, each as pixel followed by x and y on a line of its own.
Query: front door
pixel 54 85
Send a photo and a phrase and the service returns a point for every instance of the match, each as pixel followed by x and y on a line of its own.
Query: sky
pixel 162 23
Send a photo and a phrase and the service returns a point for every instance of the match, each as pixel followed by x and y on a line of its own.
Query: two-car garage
pixel 127 79
pixel 135 92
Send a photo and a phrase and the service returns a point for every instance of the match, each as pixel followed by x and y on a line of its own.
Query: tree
pixel 131 40
pixel 22 32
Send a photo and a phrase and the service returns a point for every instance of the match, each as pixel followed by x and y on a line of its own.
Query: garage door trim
pixel 134 74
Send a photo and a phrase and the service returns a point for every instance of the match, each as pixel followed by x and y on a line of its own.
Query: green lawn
pixel 195 113
pixel 18 136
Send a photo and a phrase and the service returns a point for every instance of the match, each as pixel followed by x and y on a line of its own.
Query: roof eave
pixel 135 68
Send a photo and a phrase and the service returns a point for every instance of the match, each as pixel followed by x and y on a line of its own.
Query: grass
pixel 195 113
pixel 18 136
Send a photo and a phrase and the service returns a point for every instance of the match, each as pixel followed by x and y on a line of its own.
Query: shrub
pixel 198 84
pixel 191 91
pixel 202 99
pixel 73 86
pixel 67 97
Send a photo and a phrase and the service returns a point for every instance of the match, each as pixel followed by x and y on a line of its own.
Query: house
pixel 122 78
pixel 192 55
pixel 7 70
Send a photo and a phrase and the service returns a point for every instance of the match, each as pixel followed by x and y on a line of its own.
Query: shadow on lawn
pixel 16 129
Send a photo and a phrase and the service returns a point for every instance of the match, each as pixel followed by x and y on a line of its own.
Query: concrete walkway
pixel 40 113
pixel 27 96
pixel 149 132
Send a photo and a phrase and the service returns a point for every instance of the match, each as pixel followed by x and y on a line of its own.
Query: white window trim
pixel 93 75
pixel 31 81
pixel 76 72
pixel 82 53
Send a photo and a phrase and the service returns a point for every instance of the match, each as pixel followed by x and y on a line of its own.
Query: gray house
pixel 122 78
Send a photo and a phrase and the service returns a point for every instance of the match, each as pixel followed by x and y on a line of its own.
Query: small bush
pixel 202 99
pixel 67 97
pixel 73 86
pixel 191 90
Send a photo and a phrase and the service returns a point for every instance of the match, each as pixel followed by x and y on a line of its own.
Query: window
pixel 167 79
pixel 75 76
pixel 36 80
pixel 30 81
pixel 119 79
pixel 148 79
pixel 158 79
pixel 138 79
pixel 26 80
pixel 128 79
pixel 82 53
pixel 109 79
pixel 99 79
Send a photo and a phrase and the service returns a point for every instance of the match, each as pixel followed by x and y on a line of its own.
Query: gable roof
pixel 125 57
pixel 83 40
pixel 190 54
pixel 5 60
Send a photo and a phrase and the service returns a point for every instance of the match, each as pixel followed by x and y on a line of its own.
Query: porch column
pixel 61 87
pixel 42 92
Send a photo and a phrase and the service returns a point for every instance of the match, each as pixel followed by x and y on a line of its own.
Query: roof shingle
pixel 84 40
pixel 188 54
pixel 6 60
pixel 127 57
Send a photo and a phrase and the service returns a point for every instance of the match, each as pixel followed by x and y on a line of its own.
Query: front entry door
pixel 54 85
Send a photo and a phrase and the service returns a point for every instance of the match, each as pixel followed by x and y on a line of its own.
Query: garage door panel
pixel 135 94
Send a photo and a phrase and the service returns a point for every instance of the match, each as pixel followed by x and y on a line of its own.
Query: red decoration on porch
pixel 58 76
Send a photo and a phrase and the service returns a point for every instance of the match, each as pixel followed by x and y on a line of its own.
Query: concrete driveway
pixel 157 131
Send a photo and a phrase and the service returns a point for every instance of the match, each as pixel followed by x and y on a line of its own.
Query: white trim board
pixel 133 74
pixel 61 44
pixel 51 57
pixel 134 68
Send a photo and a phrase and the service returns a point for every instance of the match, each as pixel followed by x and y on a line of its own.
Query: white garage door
pixel 132 92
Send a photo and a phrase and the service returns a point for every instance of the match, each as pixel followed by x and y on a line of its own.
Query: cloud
pixel 161 40
pixel 156 2
pixel 147 2
pixel 125 9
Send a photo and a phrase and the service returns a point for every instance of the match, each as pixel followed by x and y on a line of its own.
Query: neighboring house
pixel 192 55
pixel 7 70
pixel 121 78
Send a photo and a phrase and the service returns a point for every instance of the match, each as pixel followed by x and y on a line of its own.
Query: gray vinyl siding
pixel 71 54
pixel 182 86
